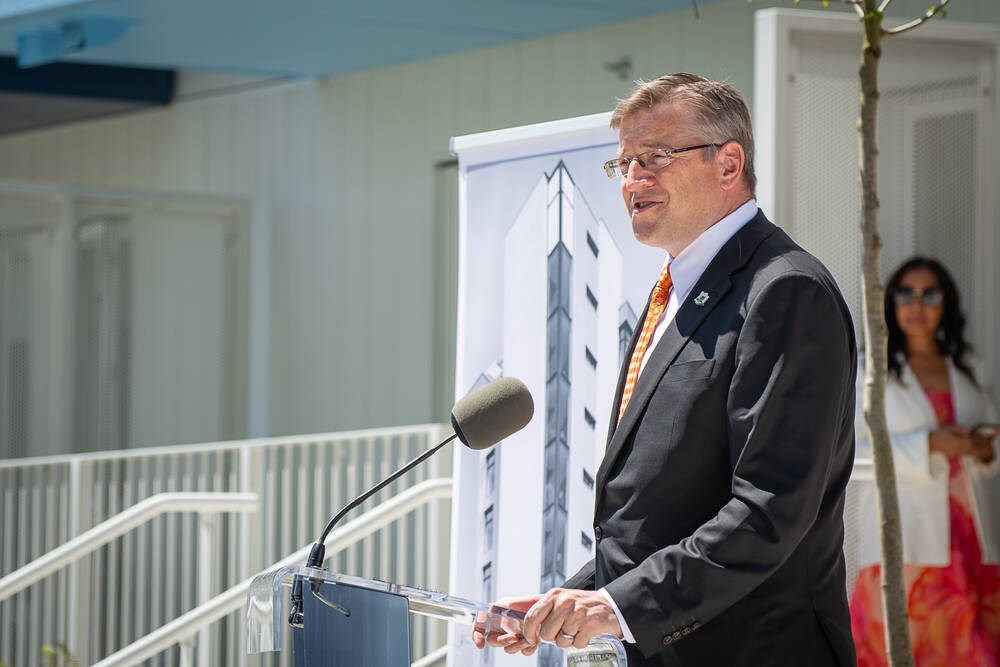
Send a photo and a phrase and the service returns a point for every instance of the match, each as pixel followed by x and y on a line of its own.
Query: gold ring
pixel 566 635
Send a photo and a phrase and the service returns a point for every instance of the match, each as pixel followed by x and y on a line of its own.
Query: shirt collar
pixel 687 267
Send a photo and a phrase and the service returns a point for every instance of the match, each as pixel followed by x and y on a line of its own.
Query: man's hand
pixel 563 616
pixel 569 617
pixel 507 636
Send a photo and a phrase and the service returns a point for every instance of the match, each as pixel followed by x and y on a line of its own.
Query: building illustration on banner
pixel 566 326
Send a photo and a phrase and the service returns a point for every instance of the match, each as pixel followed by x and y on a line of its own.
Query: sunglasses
pixel 905 296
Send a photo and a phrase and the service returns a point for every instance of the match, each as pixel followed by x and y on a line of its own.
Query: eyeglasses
pixel 905 296
pixel 654 160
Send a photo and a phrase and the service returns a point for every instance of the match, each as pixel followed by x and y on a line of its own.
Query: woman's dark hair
pixel 949 335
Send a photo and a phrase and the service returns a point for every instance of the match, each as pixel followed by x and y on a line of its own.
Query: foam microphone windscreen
pixel 491 413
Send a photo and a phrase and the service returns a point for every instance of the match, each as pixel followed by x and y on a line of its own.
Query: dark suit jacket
pixel 719 509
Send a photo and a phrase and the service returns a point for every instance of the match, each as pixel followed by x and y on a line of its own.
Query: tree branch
pixel 856 3
pixel 929 14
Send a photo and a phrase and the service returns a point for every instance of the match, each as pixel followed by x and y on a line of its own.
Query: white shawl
pixel 922 476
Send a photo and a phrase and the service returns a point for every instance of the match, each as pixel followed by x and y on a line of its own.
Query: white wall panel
pixel 179 313
pixel 343 171
pixel 30 380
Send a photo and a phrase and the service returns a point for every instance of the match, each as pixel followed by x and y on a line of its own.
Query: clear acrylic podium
pixel 356 622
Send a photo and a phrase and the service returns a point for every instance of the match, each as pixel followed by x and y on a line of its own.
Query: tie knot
pixel 662 290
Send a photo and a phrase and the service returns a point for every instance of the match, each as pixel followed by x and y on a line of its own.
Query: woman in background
pixel 947 479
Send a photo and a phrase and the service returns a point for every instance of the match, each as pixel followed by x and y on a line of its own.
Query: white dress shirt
pixel 687 267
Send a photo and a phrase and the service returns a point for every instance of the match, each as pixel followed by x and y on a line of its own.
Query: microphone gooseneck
pixel 481 419
pixel 318 551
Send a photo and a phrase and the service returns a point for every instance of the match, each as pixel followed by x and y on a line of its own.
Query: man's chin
pixel 644 231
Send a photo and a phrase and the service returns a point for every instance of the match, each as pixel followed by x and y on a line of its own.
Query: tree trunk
pixel 893 585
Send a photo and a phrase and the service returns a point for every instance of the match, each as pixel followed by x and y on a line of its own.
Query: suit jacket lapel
pixel 716 282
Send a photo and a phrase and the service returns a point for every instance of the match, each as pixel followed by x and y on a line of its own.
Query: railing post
pixel 207 527
pixel 249 553
pixel 78 628
pixel 186 647
pixel 437 539
pixel 251 476
pixel 73 571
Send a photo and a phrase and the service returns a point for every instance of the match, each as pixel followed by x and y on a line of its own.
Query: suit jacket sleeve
pixel 585 579
pixel 790 398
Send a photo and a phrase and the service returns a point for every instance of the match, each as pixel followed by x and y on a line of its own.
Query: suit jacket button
pixel 667 640
pixel 598 532
pixel 676 635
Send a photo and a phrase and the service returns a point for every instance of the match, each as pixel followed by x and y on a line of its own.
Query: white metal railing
pixel 204 504
pixel 184 628
pixel 432 658
pixel 300 481
pixel 145 579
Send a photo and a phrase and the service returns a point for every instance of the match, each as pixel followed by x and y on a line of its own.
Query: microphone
pixel 480 420
pixel 491 413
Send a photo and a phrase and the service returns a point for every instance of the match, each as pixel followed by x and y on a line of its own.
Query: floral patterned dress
pixel 955 610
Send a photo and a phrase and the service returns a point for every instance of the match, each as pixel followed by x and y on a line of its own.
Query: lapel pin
pixel 701 299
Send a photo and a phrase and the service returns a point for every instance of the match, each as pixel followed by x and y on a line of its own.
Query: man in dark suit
pixel 718 515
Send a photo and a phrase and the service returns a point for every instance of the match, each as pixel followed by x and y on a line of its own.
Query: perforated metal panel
pixel 102 395
pixel 945 196
pixel 826 211
pixel 931 172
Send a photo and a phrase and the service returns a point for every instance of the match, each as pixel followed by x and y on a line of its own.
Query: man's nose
pixel 635 173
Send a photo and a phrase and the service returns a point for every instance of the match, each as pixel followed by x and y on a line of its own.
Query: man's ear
pixel 730 159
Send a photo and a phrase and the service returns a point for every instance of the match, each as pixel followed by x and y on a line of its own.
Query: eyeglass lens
pixel 932 296
pixel 656 159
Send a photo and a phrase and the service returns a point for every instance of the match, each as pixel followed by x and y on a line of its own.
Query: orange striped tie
pixel 657 302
